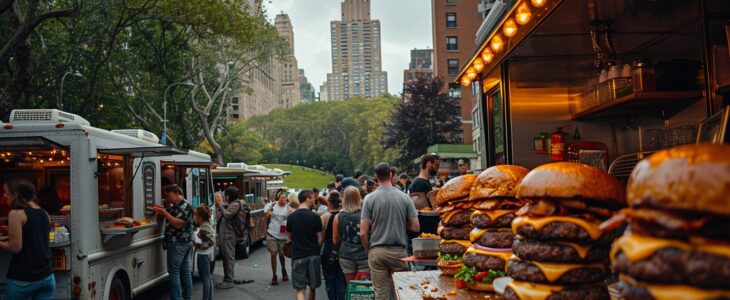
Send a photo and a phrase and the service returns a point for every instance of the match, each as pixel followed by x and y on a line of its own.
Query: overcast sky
pixel 405 24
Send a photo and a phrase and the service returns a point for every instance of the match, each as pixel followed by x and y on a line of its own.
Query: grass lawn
pixel 303 177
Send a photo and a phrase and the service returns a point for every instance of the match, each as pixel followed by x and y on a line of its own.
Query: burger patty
pixel 455 233
pixel 525 271
pixel 496 239
pixel 630 292
pixel 590 292
pixel 483 263
pixel 675 266
pixel 452 248
pixel 554 252
pixel 459 218
pixel 566 231
pixel 483 221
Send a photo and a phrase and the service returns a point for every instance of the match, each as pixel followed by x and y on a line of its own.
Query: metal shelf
pixel 660 104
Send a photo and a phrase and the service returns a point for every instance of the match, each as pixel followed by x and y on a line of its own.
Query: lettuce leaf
pixel 466 274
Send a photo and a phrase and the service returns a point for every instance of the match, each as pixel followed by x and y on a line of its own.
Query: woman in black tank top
pixel 29 273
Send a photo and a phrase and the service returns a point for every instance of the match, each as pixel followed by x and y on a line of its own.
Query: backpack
pixel 242 219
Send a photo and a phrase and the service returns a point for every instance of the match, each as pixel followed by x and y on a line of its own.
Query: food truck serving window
pixel 43 163
pixel 114 180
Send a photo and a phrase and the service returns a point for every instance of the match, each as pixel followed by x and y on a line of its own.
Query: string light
pixel 487 55
pixel 465 81
pixel 478 64
pixel 510 28
pixel 523 15
pixel 538 3
pixel 471 73
pixel 497 44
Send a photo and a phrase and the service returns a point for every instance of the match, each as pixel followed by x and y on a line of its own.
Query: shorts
pixel 354 266
pixel 274 245
pixel 305 272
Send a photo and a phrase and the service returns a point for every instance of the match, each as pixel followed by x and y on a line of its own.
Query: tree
pixel 427 117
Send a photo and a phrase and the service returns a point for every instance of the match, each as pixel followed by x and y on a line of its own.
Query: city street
pixel 255 267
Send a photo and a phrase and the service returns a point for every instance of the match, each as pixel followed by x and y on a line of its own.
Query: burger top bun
pixel 456 188
pixel 691 177
pixel 497 181
pixel 571 180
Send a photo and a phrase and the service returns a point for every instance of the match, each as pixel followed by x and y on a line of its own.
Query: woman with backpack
pixel 334 279
pixel 276 234
pixel 346 235
pixel 228 209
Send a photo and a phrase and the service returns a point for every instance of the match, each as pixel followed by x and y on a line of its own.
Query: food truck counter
pixel 432 285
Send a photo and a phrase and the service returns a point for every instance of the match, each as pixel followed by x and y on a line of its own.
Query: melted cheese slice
pixel 493 214
pixel 581 249
pixel 505 256
pixel 533 291
pixel 476 233
pixel 677 291
pixel 463 243
pixel 553 271
pixel 590 227
pixel 637 247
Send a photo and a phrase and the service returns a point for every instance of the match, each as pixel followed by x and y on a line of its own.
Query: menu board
pixel 148 179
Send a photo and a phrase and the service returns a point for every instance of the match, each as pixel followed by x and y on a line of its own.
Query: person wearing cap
pixel 402 183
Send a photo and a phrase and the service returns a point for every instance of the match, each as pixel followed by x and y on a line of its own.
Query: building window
pixel 450 20
pixel 235 116
pixel 455 91
pixel 234 100
pixel 450 2
pixel 451 43
pixel 453 66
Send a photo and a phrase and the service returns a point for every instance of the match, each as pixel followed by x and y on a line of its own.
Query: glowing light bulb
pixel 538 3
pixel 465 82
pixel 523 15
pixel 510 28
pixel 478 64
pixel 496 44
pixel 471 73
pixel 487 55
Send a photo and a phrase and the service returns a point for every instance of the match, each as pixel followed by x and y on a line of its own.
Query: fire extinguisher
pixel 557 145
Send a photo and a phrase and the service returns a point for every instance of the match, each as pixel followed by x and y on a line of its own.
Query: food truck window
pixel 113 182
pixel 47 169
pixel 495 115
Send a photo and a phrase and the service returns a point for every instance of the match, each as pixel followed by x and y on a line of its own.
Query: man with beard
pixel 429 168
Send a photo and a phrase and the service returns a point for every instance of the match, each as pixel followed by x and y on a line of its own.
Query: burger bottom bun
pixel 448 267
pixel 481 286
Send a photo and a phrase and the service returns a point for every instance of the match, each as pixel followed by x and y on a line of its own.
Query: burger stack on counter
pixel 454 210
pixel 493 197
pixel 559 251
pixel 677 244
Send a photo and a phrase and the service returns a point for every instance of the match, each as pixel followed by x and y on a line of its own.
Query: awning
pixel 453 151
pixel 511 30
pixel 144 151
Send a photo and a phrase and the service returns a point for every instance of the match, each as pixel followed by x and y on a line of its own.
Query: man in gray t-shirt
pixel 386 215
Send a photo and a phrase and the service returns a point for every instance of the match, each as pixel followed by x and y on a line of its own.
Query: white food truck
pixel 88 178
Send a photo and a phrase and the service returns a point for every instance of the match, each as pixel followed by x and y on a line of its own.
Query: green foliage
pixel 338 136
pixel 239 144
pixel 428 117
pixel 303 177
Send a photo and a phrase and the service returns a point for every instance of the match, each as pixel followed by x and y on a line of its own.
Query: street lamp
pixel 60 96
pixel 164 108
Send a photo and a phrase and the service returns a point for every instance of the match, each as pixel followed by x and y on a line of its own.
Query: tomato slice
pixel 460 284
pixel 481 275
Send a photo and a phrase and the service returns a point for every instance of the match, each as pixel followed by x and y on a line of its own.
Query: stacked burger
pixel 677 245
pixel 493 195
pixel 559 251
pixel 454 211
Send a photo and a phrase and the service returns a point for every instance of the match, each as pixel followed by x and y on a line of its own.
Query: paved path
pixel 256 267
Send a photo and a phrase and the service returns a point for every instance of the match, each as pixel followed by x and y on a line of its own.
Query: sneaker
pixel 274 281
pixel 225 285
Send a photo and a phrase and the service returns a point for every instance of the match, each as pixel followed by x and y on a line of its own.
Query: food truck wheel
pixel 243 248
pixel 118 291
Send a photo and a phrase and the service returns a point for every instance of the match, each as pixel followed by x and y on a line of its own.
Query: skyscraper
pixel 288 68
pixel 421 65
pixel 306 90
pixel 356 55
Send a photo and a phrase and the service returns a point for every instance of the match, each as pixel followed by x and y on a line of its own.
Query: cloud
pixel 405 24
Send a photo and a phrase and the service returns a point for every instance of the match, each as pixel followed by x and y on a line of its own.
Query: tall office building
pixel 455 24
pixel 356 55
pixel 288 68
pixel 306 90
pixel 421 65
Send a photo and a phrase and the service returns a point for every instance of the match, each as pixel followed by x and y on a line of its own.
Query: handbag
pixel 286 249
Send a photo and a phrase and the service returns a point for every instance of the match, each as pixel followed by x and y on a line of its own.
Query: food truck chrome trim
pixel 105 183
